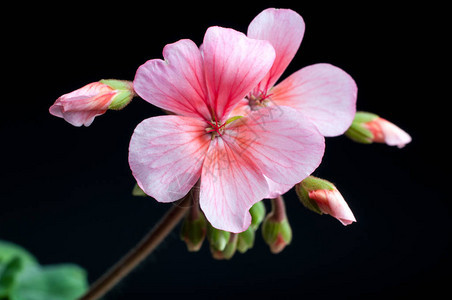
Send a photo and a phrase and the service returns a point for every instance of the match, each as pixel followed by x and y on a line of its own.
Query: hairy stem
pixel 278 209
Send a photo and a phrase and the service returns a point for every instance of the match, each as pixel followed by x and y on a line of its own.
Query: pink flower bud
pixel 386 132
pixel 81 106
pixel 332 203
pixel 321 196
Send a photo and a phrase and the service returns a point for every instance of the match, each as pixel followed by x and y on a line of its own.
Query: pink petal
pixel 230 184
pixel 387 132
pixel 284 144
pixel 234 65
pixel 322 92
pixel 284 29
pixel 177 83
pixel 79 118
pixel 332 203
pixel 277 189
pixel 166 154
pixel 93 96
pixel 81 106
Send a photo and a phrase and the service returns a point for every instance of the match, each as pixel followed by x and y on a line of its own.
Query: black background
pixel 65 191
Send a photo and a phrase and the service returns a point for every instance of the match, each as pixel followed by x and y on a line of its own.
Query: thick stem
pixel 278 209
pixel 145 247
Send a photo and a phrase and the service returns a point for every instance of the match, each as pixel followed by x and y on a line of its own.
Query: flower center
pixel 215 128
pixel 258 100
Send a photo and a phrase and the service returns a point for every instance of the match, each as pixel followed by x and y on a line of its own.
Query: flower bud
pixel 125 93
pixel 276 229
pixel 245 240
pixel 368 128
pixel 322 197
pixel 277 234
pixel 229 249
pixel 193 231
pixel 137 191
pixel 81 106
pixel 257 212
pixel 218 239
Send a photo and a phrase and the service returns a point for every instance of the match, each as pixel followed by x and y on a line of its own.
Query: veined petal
pixel 277 189
pixel 177 83
pixel 230 184
pixel 81 106
pixel 284 29
pixel 322 92
pixel 93 96
pixel 234 64
pixel 79 118
pixel 166 154
pixel 285 145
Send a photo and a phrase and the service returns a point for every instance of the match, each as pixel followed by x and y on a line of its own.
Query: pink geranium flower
pixel 325 94
pixel 232 157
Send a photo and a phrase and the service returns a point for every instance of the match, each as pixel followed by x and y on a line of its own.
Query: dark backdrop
pixel 65 191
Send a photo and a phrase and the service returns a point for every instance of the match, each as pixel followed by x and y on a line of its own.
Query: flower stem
pixel 145 247
pixel 278 209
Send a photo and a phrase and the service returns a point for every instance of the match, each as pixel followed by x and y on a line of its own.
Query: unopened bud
pixel 218 239
pixel 193 231
pixel 245 240
pixel 229 249
pixel 276 229
pixel 81 106
pixel 124 92
pixel 257 212
pixel 137 191
pixel 321 196
pixel 368 128
pixel 277 234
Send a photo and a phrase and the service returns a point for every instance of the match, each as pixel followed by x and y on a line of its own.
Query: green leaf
pixel 57 282
pixel 9 274
pixel 9 251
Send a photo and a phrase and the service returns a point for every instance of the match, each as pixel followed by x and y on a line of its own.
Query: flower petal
pixel 277 189
pixel 332 202
pixel 93 96
pixel 166 154
pixel 176 83
pixel 322 92
pixel 234 65
pixel 285 145
pixel 230 184
pixel 284 29
pixel 81 106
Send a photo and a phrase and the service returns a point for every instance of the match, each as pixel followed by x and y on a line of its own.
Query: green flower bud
pixel 124 95
pixel 193 231
pixel 321 196
pixel 358 132
pixel 245 240
pixel 257 212
pixel 228 251
pixel 218 239
pixel 277 234
pixel 137 191
pixel 312 183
